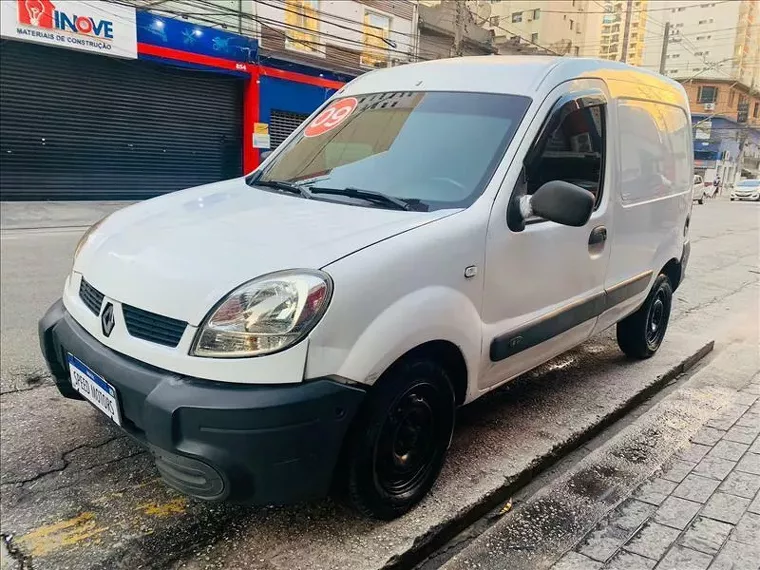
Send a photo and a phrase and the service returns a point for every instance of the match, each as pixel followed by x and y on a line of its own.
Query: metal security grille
pixel 281 124
pixel 83 126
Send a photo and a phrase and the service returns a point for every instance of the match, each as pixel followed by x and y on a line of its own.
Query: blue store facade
pixel 79 125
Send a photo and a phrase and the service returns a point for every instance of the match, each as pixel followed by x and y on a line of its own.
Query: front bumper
pixel 260 444
pixel 749 197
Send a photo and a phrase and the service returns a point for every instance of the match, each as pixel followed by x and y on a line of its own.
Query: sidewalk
pixel 47 215
pixel 677 489
pixel 701 511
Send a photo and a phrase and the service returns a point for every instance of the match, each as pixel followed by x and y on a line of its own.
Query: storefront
pixel 102 102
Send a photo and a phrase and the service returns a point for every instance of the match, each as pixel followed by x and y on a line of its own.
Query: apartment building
pixel 565 27
pixel 708 40
pixel 614 22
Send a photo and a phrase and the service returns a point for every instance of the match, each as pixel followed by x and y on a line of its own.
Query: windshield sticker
pixel 331 117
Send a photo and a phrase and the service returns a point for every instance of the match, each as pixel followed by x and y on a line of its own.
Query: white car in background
pixel 747 190
pixel 699 192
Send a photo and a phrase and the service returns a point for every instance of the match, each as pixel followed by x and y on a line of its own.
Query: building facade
pixel 725 149
pixel 565 27
pixel 436 32
pixel 130 103
pixel 614 23
pixel 709 40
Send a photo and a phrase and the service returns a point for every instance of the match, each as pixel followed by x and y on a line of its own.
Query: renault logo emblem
pixel 107 320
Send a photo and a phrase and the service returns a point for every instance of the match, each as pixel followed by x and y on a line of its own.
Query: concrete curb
pixel 438 536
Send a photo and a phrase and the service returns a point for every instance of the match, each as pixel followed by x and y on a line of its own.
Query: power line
pixel 620 12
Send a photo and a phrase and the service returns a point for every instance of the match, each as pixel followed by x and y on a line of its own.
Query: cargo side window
pixel 574 152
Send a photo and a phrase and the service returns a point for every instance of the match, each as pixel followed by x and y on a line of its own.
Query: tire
pixel 399 441
pixel 640 335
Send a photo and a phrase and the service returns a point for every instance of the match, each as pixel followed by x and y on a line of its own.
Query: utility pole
pixel 664 54
pixel 459 9
pixel 627 31
pixel 744 133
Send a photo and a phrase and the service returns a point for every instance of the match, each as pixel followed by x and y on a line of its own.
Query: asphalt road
pixel 76 493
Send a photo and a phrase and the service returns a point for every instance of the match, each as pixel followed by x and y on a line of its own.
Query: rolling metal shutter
pixel 281 124
pixel 83 126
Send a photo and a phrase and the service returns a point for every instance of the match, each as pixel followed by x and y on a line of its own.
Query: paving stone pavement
pixel 701 511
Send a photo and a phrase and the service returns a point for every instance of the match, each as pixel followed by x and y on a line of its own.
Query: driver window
pixel 574 152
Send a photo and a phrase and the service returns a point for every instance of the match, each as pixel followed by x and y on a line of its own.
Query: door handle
pixel 598 235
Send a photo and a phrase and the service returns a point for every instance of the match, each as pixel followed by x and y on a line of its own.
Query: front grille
pixel 152 327
pixel 90 296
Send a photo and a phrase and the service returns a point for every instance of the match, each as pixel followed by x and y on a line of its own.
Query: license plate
pixel 93 387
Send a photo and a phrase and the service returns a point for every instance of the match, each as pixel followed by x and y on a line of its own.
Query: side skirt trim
pixel 566 318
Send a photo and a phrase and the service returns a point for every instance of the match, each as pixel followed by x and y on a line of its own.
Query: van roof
pixel 532 76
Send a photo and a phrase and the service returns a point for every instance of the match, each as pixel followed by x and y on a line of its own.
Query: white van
pixel 433 231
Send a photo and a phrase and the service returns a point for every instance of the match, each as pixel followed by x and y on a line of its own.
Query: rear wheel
pixel 640 334
pixel 398 445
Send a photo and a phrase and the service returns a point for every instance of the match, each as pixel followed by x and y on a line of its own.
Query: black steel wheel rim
pixel 657 319
pixel 410 440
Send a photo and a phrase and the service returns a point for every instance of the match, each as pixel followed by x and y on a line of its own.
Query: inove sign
pixel 100 27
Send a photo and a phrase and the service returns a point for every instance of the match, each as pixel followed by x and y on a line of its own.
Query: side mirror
pixel 264 154
pixel 561 202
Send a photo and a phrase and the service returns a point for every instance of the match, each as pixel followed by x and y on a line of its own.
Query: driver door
pixel 544 282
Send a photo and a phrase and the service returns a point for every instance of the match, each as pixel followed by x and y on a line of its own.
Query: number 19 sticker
pixel 331 117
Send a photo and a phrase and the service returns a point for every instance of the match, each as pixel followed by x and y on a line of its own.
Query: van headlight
pixel 265 315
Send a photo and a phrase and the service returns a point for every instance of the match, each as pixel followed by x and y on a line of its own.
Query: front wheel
pixel 398 444
pixel 640 334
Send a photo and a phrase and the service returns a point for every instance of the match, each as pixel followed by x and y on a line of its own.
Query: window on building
pixel 756 110
pixel 494 20
pixel 571 24
pixel 731 98
pixel 377 31
pixel 534 38
pixel 536 13
pixel 516 17
pixel 576 50
pixel 301 18
pixel 702 22
pixel 707 94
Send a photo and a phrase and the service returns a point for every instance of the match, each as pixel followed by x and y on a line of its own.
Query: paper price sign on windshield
pixel 331 117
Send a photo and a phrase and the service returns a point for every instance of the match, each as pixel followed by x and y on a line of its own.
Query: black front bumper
pixel 261 444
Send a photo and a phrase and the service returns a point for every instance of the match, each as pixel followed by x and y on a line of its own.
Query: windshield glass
pixel 749 183
pixel 433 149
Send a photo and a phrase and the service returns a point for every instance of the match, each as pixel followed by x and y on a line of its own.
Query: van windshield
pixel 431 150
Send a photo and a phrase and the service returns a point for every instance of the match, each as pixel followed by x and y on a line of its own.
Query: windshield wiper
pixel 283 185
pixel 370 195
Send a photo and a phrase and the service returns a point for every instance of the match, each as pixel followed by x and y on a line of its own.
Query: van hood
pixel 179 254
